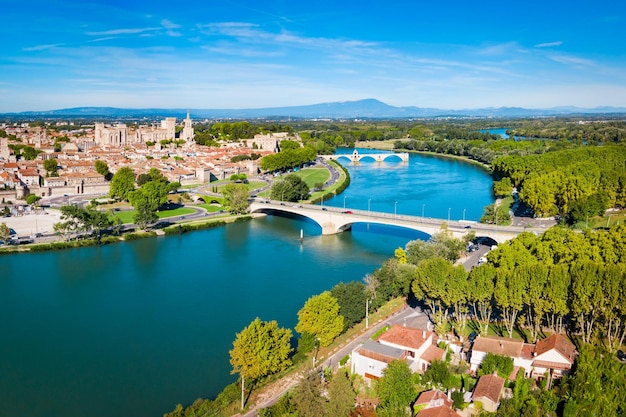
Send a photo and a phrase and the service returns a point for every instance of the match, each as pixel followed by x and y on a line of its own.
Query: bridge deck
pixel 335 220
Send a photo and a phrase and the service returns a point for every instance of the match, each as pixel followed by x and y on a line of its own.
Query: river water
pixel 135 328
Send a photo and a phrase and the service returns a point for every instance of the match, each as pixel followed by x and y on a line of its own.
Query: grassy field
pixel 127 216
pixel 211 208
pixel 613 219
pixel 252 185
pixel 313 176
pixel 379 144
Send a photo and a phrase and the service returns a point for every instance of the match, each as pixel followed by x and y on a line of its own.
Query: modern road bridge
pixel 356 157
pixel 334 220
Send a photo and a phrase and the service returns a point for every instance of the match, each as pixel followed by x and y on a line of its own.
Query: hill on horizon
pixel 366 108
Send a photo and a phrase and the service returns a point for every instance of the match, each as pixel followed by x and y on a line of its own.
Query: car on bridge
pixel 347 212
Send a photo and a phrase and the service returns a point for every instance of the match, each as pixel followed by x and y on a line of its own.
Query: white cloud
pixel 123 31
pixel 42 47
pixel 549 44
pixel 572 60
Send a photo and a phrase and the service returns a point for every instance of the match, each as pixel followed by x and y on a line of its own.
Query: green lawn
pixel 313 175
pixel 337 184
pixel 618 217
pixel 252 185
pixel 211 208
pixel 127 216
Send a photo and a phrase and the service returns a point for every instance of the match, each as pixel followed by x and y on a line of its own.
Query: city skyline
pixel 240 54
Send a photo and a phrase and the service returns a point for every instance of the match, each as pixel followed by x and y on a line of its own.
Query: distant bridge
pixel 356 157
pixel 334 220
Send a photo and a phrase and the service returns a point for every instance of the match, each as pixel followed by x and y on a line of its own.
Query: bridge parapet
pixel 334 220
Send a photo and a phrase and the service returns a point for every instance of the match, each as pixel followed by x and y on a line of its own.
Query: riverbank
pixel 42 222
pixel 178 228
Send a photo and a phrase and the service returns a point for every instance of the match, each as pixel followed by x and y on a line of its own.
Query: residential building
pixel 488 392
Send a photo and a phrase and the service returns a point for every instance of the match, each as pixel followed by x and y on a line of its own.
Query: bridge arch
pixel 355 157
pixel 334 220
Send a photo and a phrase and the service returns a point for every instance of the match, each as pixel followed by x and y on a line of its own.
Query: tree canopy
pixel 122 184
pixel 260 349
pixel 396 389
pixel 288 158
pixel 320 317
pixel 236 197
pixel 290 188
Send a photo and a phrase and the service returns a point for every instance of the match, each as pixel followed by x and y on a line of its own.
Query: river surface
pixel 499 131
pixel 135 328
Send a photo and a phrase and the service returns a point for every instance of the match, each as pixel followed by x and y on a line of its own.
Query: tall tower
pixel 187 134
pixel 5 151
pixel 169 124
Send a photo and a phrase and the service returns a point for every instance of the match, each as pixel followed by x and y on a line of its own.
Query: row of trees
pixel 530 282
pixel 557 182
pixel 602 131
pixel 288 158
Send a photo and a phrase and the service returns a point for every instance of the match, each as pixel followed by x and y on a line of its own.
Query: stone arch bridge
pixel 355 157
pixel 334 220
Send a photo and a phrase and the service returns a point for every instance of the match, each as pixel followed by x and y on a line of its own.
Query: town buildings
pixel 167 147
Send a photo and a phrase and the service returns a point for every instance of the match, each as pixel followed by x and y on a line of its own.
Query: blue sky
pixel 250 54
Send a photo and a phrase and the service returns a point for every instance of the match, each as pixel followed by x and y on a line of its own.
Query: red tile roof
pixel 432 353
pixel 498 345
pixel 552 365
pixel 558 342
pixel 427 397
pixel 441 411
pixel 489 386
pixel 405 336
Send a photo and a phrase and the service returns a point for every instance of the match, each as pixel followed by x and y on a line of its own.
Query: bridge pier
pixel 329 228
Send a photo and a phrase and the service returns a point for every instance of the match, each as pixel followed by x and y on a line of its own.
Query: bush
pixel 139 235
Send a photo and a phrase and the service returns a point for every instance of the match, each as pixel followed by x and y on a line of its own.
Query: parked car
pixel 621 355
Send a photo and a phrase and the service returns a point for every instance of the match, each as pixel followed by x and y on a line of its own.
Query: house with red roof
pixel 554 356
pixel 520 352
pixel 488 392
pixel 434 403
pixel 416 347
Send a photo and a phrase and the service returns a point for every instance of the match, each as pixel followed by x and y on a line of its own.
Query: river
pixel 134 328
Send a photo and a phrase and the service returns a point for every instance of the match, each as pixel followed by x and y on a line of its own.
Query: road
pixel 291 381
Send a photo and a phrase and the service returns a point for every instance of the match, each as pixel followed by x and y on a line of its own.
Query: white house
pixel 553 355
pixel 371 358
pixel 414 346
pixel 520 352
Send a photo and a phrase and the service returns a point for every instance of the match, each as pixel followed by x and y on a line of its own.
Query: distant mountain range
pixel 366 109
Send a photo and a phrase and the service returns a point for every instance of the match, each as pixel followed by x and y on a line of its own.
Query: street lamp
pixel 395 208
pixel 423 207
pixel 344 202
pixel 369 200
pixel 449 208
pixel 463 214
